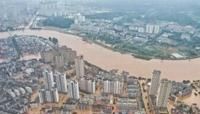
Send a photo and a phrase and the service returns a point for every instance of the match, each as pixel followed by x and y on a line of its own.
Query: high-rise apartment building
pixel 73 90
pixel 59 62
pixel 164 92
pixel 61 82
pixel 156 29
pixel 155 81
pixel 48 95
pixel 59 57
pixel 87 85
pixel 152 29
pixel 149 29
pixel 48 79
pixel 112 87
pixel 79 65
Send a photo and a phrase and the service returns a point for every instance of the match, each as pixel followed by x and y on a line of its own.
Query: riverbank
pixel 109 46
pixel 107 59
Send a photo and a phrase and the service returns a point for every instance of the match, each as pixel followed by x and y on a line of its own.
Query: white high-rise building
pixel 164 92
pixel 149 29
pixel 79 64
pixel 73 90
pixel 156 29
pixel 59 62
pixel 113 87
pixel 106 86
pixel 48 79
pixel 152 29
pixel 117 87
pixel 61 82
pixel 59 57
pixel 155 81
pixel 87 85
pixel 42 95
pixel 48 95
pixel 55 95
pixel 91 86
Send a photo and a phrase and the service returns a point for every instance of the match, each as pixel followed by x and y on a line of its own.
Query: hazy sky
pixel 163 2
pixel 120 4
pixel 166 1
pixel 181 4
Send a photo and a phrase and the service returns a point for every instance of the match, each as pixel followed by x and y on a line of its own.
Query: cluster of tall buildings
pixel 113 87
pixel 59 57
pixel 152 29
pixel 160 90
pixel 55 83
pixel 149 28
pixel 73 85
pixel 87 85
pixel 49 93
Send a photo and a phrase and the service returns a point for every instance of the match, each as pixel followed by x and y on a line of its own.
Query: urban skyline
pixel 99 57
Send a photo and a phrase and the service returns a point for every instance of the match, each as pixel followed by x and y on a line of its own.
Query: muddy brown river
pixel 107 59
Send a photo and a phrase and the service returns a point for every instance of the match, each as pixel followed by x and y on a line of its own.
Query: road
pixel 144 97
pixel 31 22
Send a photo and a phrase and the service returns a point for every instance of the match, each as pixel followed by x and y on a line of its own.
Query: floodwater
pixel 107 59
pixel 193 99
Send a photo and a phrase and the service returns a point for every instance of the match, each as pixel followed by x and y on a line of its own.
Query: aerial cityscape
pixel 100 57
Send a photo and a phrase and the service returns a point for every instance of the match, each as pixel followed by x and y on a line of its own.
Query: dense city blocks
pixel 100 57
